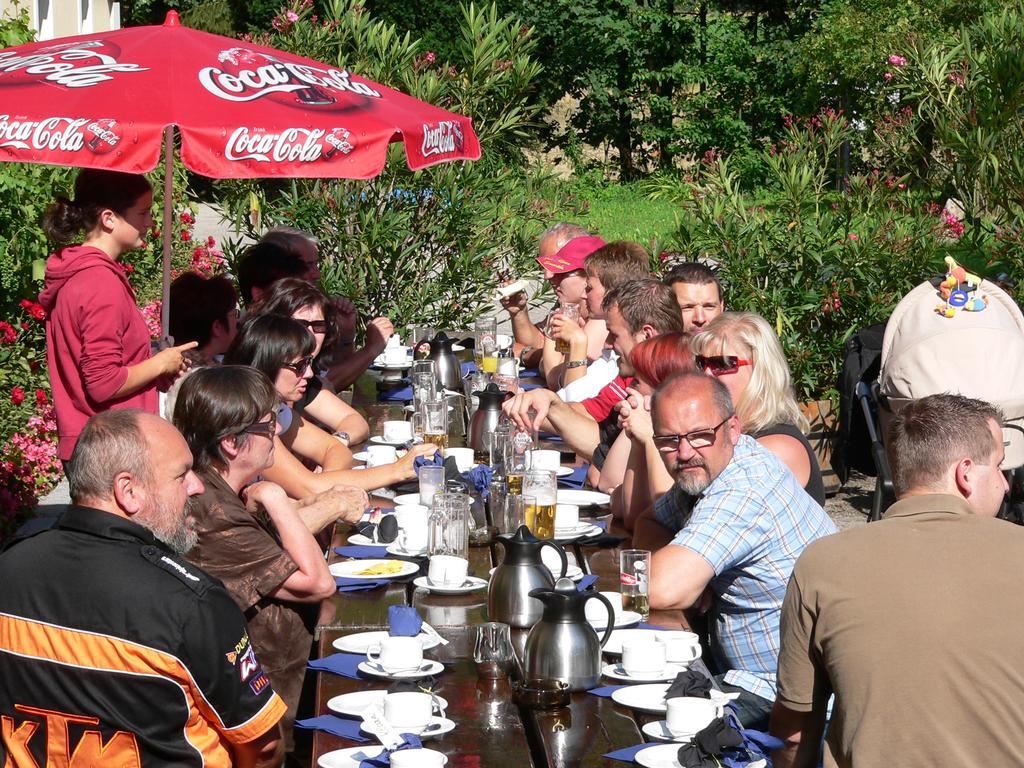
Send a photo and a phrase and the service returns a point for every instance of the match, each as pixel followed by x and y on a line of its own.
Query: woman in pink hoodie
pixel 97 343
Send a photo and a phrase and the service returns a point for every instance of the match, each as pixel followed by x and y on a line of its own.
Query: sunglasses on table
pixel 720 365
pixel 267 428
pixel 299 366
pixel 699 438
pixel 316 326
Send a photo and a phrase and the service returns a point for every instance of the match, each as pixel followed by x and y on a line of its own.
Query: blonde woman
pixel 743 352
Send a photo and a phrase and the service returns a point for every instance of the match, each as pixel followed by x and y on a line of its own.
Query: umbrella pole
pixel 165 306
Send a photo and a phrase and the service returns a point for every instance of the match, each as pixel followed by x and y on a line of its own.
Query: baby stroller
pixel 974 349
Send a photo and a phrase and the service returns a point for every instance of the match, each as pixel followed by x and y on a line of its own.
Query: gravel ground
pixel 850 506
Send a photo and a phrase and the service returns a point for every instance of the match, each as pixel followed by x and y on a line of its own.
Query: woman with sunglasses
pixel 303 301
pixel 743 352
pixel 282 349
pixel 645 477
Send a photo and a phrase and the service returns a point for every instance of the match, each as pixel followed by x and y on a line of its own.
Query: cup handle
pixel 371 657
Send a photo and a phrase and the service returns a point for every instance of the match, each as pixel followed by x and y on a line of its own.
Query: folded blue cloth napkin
pixel 529 373
pixel 404 394
pixel 403 621
pixel 345 584
pixel 337 726
pixel 605 691
pixel 478 478
pixel 526 386
pixel 551 437
pixel 645 625
pixel 409 741
pixel 577 479
pixel 468 368
pixel 437 460
pixel 361 551
pixel 586 582
pixel 628 755
pixel 343 664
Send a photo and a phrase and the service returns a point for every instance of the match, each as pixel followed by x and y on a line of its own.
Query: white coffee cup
pixel 397 431
pixel 686 715
pixel 550 559
pixel 549 460
pixel 408 711
pixel 418 758
pixel 594 609
pixel 412 528
pixel 397 654
pixel 447 570
pixel 642 658
pixel 379 455
pixel 395 355
pixel 680 647
pixel 463 458
pixel 567 517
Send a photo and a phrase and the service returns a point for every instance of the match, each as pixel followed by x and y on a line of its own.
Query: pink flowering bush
pixel 29 466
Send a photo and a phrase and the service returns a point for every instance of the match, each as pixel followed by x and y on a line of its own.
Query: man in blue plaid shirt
pixel 749 522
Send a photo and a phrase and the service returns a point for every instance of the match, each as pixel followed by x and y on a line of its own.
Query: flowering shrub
pixel 29 466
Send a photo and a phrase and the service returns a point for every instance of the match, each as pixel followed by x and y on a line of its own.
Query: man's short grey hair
pixel 111 442
pixel 687 382
pixel 932 433
pixel 291 239
pixel 562 233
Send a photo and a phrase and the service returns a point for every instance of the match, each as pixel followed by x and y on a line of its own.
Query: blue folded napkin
pixel 403 621
pixel 606 691
pixel 586 582
pixel 437 460
pixel 409 741
pixel 468 368
pixel 551 437
pixel 628 755
pixel 360 551
pixel 577 479
pixel 343 664
pixel 345 584
pixel 645 625
pixel 346 729
pixel 396 395
pixel 478 478
pixel 526 386
pixel 529 373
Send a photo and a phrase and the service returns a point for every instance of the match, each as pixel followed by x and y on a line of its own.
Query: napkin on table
pixel 577 479
pixel 336 726
pixel 403 621
pixel 345 584
pixel 344 664
pixel 605 691
pixel 586 582
pixel 409 741
pixel 628 754
pixel 402 394
pixel 689 683
pixel 361 551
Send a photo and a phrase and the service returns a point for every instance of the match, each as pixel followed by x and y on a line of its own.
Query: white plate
pixel 353 569
pixel 471 584
pixel 353 704
pixel 614 644
pixel 394 549
pixel 379 440
pixel 581 530
pixel 615 672
pixel 361 642
pixel 382 366
pixel 575 572
pixel 643 698
pixel 583 498
pixel 659 731
pixel 564 471
pixel 624 619
pixel 661 756
pixel 362 540
pixel 354 756
pixel 438 726
pixel 405 499
pixel 431 668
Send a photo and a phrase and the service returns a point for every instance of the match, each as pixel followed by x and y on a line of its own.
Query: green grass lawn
pixel 624 212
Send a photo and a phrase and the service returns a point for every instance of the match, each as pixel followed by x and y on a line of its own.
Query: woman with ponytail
pixel 97 343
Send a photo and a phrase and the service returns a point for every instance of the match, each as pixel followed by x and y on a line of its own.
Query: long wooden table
pixel 491 729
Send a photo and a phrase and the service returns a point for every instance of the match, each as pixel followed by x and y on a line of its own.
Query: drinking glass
pixel 570 311
pixel 435 422
pixel 492 650
pixel 485 350
pixel 540 515
pixel 507 509
pixel 448 526
pixel 431 481
pixel 634 580
pixel 520 443
pixel 421 342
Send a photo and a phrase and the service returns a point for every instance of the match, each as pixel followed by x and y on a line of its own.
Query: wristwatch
pixel 575 363
pixel 523 353
pixel 343 438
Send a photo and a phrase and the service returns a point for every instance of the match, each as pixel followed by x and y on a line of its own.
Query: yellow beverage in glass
pixel 488 363
pixel 515 484
pixel 540 519
pixel 440 439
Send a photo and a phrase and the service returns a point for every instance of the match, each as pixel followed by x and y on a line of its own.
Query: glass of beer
pixel 520 443
pixel 435 422
pixel 485 350
pixel 570 311
pixel 540 486
pixel 634 580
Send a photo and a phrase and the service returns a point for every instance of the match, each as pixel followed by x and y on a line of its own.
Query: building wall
pixel 61 18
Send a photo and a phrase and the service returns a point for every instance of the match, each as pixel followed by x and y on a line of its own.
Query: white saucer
pixel 624 619
pixel 438 726
pixel 580 531
pixel 353 704
pixel 659 731
pixel 643 698
pixel 379 440
pixel 661 756
pixel 407 499
pixel 615 672
pixel 614 644
pixel 471 584
pixel 583 498
pixel 394 549
pixel 362 540
pixel 426 669
pixel 564 471
pixel 353 757
pixel 361 642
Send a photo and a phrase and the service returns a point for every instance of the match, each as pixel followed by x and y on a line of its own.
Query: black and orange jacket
pixel 114 651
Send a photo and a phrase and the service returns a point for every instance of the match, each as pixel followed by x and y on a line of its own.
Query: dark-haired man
pixel 114 650
pixel 204 310
pixel 913 622
pixel 750 522
pixel 699 293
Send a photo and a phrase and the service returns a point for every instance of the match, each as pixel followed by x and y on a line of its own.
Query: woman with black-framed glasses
pixel 742 351
pixel 282 348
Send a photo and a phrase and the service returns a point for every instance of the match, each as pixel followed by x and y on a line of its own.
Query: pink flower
pixel 292 16
pixel 853 236
pixel 186 218
pixel 954 228
pixel 431 57
pixel 211 241
pixel 887 76
pixel 897 61
pixel 185 235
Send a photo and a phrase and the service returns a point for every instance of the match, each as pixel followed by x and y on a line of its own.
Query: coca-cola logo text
pixel 53 133
pixel 254 82
pixel 78 67
pixel 290 145
pixel 442 139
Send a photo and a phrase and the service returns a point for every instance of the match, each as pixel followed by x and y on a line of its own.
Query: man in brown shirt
pixel 912 622
pixel 252 536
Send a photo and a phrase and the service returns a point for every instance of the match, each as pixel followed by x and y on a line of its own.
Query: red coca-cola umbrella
pixel 110 99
